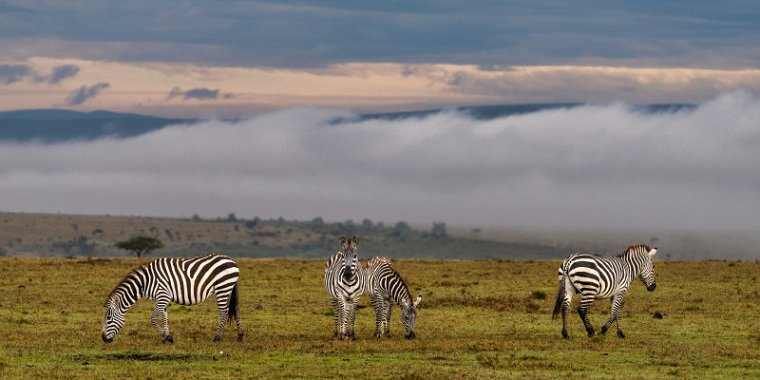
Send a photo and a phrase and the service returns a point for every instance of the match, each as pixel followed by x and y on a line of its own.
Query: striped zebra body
pixel 602 277
pixel 184 281
pixel 385 287
pixel 344 282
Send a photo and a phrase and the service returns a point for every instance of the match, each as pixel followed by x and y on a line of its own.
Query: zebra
pixel 385 286
pixel 344 282
pixel 185 281
pixel 602 277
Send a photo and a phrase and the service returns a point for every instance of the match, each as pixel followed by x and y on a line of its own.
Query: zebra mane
pixel 636 247
pixel 116 288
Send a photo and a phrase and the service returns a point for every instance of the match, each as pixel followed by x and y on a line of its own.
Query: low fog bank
pixel 591 167
pixel 671 244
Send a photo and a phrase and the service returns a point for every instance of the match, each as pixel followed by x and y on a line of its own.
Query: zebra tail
pixel 560 297
pixel 233 306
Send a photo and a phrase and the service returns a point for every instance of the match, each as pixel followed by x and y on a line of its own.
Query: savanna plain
pixel 478 319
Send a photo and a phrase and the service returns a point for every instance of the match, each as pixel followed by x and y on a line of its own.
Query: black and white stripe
pixel 385 287
pixel 602 277
pixel 344 282
pixel 184 281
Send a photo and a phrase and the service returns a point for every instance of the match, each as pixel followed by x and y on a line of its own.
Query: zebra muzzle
pixel 105 338
pixel 651 287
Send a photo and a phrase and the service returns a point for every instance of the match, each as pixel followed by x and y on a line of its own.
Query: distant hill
pixel 55 125
pixel 58 235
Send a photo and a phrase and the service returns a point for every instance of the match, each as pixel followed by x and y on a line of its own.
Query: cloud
pixel 197 93
pixel 85 93
pixel 10 74
pixel 306 34
pixel 62 72
pixel 589 166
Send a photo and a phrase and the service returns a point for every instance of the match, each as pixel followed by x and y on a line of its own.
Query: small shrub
pixel 538 295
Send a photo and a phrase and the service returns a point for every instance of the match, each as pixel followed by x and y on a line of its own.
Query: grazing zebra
pixel 602 277
pixel 185 281
pixel 385 286
pixel 344 282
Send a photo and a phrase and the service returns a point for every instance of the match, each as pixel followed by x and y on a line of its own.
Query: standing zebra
pixel 385 286
pixel 602 277
pixel 185 281
pixel 344 282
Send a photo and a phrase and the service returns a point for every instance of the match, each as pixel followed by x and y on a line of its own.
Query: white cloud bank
pixel 591 166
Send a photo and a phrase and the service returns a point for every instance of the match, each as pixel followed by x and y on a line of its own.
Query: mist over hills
pixel 59 125
pixel 56 125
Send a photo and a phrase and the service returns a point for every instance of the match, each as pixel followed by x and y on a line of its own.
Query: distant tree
pixel 140 245
pixel 231 217
pixel 251 224
pixel 401 229
pixel 197 218
pixel 439 229
pixel 317 222
pixel 367 224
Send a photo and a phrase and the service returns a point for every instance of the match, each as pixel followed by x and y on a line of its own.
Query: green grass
pixel 478 319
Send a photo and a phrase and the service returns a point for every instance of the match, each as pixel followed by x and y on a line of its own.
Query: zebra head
pixel 409 317
pixel 114 319
pixel 647 269
pixel 350 258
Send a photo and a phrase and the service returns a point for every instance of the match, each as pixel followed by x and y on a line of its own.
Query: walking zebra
pixel 185 281
pixel 602 277
pixel 385 286
pixel 344 282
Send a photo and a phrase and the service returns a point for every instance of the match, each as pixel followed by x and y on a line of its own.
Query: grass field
pixel 478 319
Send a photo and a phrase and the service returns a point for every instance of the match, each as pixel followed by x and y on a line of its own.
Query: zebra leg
pixel 617 301
pixel 586 302
pixel 167 337
pixel 160 312
pixel 154 321
pixel 387 318
pixel 222 321
pixel 351 319
pixel 239 324
pixel 336 312
pixel 343 319
pixel 566 300
pixel 375 301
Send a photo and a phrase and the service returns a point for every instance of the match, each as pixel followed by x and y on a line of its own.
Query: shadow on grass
pixel 141 356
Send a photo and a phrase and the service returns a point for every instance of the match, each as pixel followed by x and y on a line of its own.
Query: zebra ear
pixel 355 241
pixel 343 240
pixel 418 300
pixel 652 252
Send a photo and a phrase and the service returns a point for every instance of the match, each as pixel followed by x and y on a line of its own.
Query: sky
pixel 241 58
pixel 585 167
pixel 288 69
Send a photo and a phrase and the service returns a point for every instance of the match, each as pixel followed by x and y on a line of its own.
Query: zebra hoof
pixel 565 335
pixel 168 339
pixel 217 338
pixel 603 331
pixel 620 334
pixel 240 337
pixel 591 333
